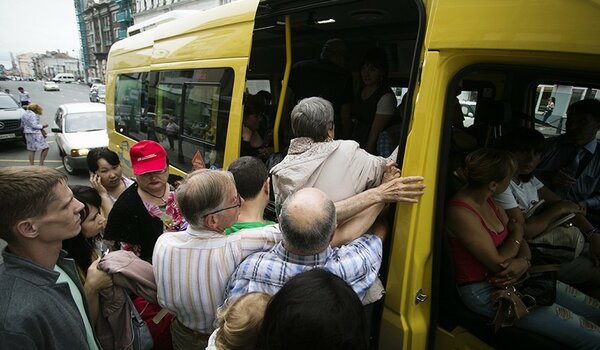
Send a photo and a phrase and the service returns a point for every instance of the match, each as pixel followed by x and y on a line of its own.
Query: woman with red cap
pixel 146 209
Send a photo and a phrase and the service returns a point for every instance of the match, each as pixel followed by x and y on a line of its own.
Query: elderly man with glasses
pixel 192 267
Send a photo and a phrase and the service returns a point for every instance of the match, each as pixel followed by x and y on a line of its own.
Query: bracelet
pixel 588 234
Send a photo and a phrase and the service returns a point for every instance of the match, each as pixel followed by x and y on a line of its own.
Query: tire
pixel 68 167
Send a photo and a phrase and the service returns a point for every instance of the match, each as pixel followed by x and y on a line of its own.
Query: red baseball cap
pixel 147 156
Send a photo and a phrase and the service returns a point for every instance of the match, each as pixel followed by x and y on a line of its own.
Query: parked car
pixel 51 86
pixel 98 93
pixel 10 118
pixel 80 127
pixel 94 80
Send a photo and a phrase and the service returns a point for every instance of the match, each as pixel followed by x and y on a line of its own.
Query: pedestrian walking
pixel 549 109
pixel 24 97
pixel 35 135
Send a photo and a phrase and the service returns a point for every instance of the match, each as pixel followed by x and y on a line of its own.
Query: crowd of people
pixel 203 267
pixel 192 252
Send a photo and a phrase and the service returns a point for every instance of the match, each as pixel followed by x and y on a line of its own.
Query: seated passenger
pixel 106 176
pixel 192 267
pixel 239 323
pixel 340 168
pixel 314 310
pixel 525 190
pixel 373 108
pixel 308 221
pixel 252 183
pixel 490 253
pixel 571 164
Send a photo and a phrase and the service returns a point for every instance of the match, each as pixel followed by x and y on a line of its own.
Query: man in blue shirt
pixel 308 221
pixel 571 165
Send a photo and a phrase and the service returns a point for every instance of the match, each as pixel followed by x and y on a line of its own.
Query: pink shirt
pixel 467 267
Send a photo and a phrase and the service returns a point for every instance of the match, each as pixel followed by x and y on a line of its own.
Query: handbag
pixel 142 339
pixel 540 284
pixel 536 288
pixel 510 307
pixel 563 242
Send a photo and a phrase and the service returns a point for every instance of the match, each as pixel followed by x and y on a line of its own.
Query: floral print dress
pixel 170 215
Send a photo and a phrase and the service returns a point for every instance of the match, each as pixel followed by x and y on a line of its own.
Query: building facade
pixel 54 62
pixel 26 65
pixel 103 22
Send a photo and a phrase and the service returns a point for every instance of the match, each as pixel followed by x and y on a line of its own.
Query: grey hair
pixel 301 237
pixel 203 191
pixel 312 117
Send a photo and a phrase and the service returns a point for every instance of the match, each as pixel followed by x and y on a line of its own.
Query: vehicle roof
pixel 83 107
pixel 186 39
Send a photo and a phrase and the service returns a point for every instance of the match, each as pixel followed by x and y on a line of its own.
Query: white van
pixel 64 78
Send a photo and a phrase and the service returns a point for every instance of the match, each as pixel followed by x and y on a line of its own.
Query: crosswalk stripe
pixel 27 161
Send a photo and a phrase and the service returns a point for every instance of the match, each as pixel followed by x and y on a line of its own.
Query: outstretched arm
pixel 403 189
pixel 357 214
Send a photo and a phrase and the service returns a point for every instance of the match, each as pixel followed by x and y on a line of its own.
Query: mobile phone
pixel 103 250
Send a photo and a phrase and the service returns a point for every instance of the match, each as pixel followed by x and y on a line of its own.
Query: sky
pixel 37 26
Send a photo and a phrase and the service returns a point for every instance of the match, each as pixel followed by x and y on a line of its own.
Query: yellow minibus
pixel 495 60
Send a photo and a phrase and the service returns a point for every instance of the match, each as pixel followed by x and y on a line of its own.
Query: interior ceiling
pixel 395 30
pixel 347 13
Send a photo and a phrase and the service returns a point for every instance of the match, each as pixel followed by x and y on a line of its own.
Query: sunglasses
pixel 237 205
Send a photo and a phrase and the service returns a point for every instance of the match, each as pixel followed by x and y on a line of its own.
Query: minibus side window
pixel 551 104
pixel 186 111
pixel 128 106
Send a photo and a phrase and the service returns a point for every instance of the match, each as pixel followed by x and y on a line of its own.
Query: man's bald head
pixel 307 221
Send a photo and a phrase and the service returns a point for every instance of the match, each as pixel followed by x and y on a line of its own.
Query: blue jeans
pixel 574 319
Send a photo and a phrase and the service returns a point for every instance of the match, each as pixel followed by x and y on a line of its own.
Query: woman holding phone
pixel 106 176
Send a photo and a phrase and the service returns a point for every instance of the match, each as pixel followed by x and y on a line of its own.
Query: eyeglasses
pixel 155 173
pixel 237 205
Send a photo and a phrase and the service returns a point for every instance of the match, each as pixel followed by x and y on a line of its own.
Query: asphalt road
pixel 15 153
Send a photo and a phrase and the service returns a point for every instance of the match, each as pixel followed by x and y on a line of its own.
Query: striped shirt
pixel 192 267
pixel 356 263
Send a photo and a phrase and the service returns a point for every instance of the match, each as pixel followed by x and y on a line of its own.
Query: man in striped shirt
pixel 192 267
pixel 308 221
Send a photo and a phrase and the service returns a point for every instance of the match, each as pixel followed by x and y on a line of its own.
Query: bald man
pixel 308 221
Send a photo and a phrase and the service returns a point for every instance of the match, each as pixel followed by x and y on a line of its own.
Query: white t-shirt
pixel 522 195
pixel 386 104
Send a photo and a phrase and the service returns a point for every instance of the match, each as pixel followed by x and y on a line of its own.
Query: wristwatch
pixel 588 234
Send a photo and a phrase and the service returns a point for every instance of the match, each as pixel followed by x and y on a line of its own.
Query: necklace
pixel 161 197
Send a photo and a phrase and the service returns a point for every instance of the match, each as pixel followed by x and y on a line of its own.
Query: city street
pixel 15 153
